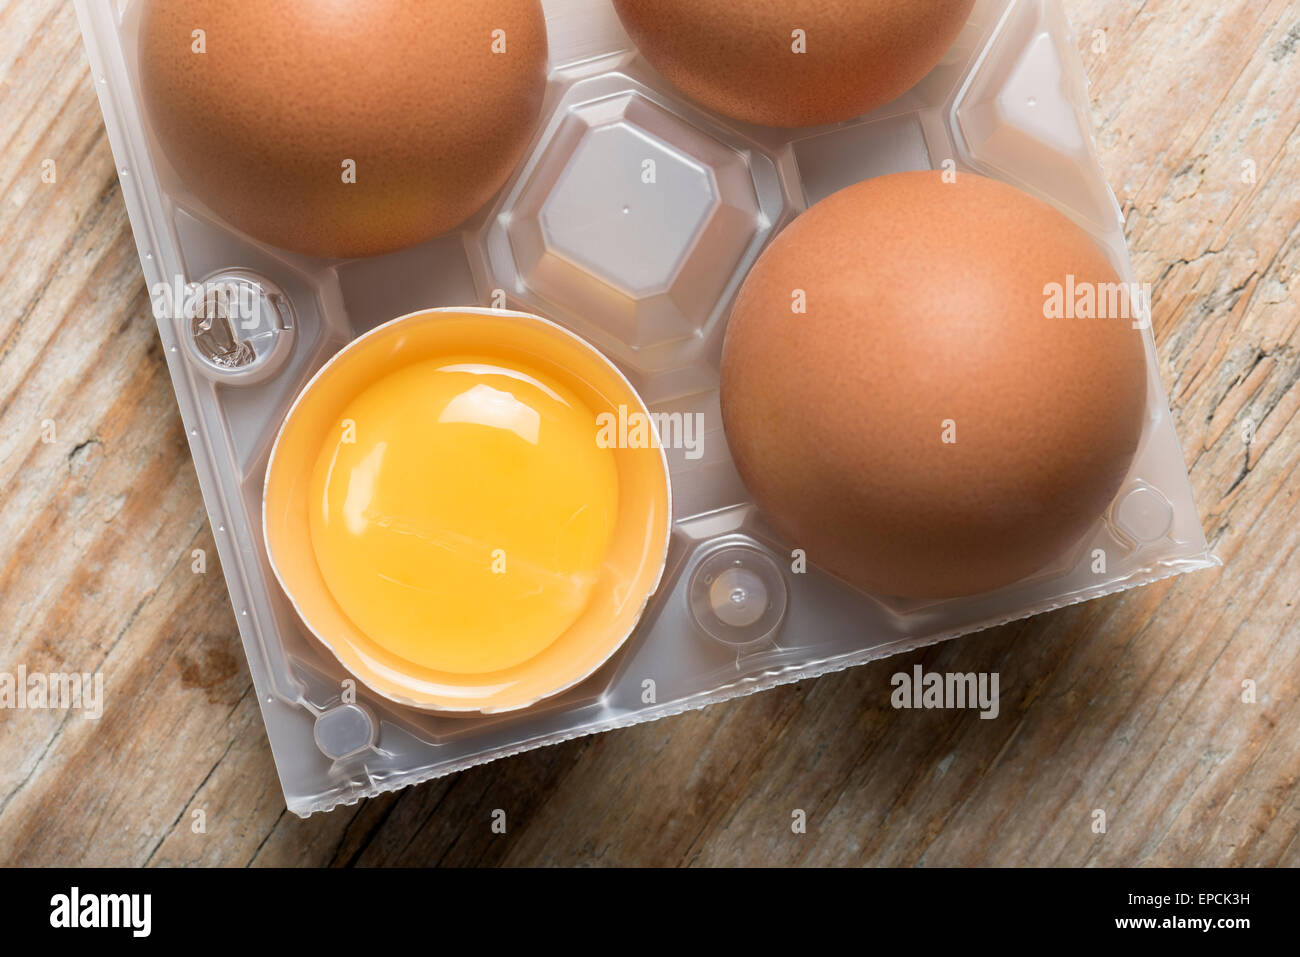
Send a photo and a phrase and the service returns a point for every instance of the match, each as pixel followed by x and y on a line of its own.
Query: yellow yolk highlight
pixel 461 511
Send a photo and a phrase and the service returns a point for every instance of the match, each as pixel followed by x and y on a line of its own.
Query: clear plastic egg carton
pixel 632 220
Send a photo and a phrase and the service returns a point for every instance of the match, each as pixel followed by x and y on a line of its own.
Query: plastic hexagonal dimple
pixel 634 223
pixel 626 240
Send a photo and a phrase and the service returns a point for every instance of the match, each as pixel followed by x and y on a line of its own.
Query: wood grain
pixel 1130 704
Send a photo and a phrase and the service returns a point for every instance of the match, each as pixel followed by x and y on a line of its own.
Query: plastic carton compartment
pixel 577 236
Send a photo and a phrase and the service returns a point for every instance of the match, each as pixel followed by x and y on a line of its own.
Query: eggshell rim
pixel 583 344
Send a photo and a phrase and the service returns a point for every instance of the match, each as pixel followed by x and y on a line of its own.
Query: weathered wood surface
pixel 1131 704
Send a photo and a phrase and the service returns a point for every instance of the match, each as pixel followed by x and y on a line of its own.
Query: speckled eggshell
pixel 740 58
pixel 260 125
pixel 926 320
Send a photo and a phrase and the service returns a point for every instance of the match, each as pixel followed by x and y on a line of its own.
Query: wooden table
pixel 1130 704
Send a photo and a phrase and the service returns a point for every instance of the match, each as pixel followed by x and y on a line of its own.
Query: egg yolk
pixel 461 511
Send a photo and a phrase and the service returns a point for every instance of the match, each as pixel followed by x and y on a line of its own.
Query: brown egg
pixel 924 429
pixel 744 60
pixel 428 104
